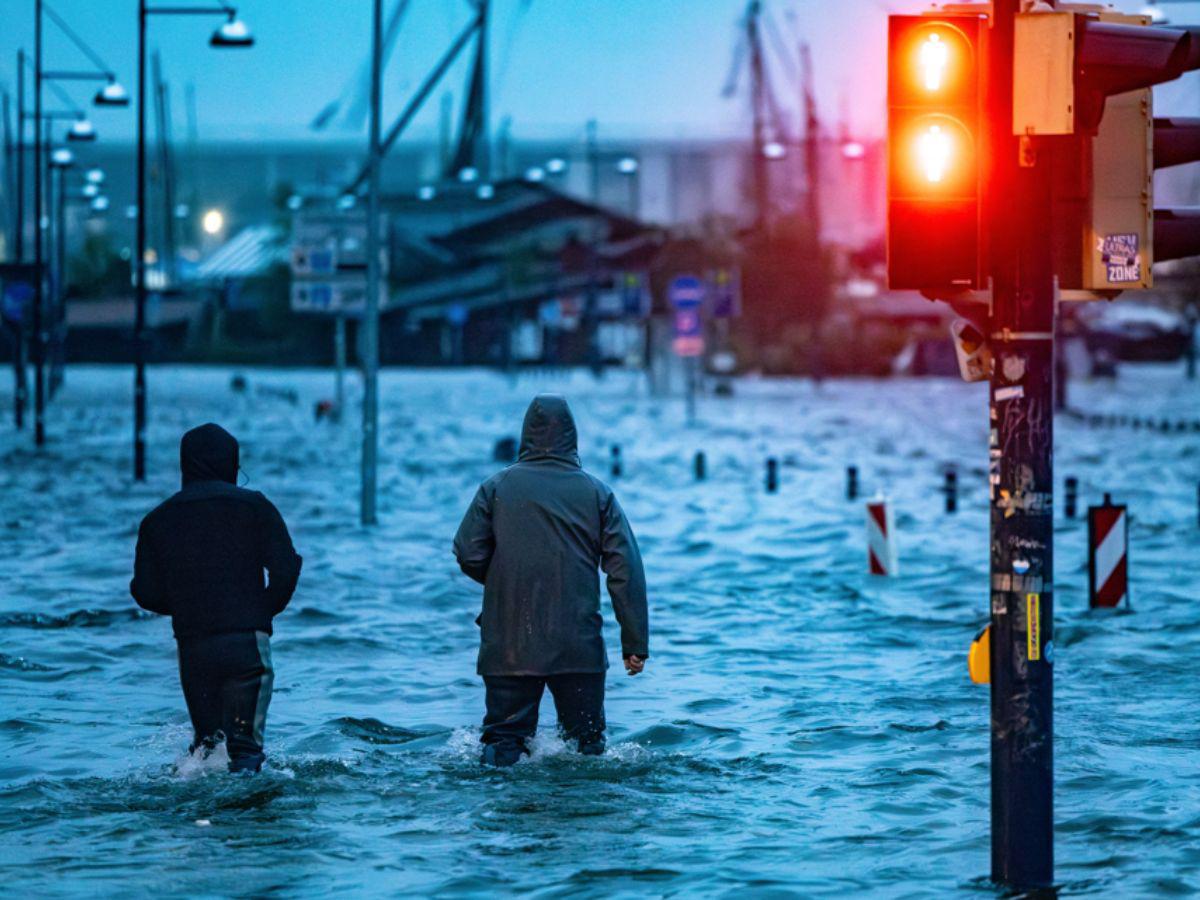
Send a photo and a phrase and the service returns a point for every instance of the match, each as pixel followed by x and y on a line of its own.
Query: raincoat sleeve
pixel 279 558
pixel 474 543
pixel 147 587
pixel 622 563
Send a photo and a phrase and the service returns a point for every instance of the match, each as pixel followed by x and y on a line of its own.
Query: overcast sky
pixel 642 68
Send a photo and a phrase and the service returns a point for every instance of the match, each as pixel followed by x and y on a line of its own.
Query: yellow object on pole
pixel 979 657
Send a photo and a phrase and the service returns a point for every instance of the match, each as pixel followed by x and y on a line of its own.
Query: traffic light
pixel 1088 75
pixel 935 104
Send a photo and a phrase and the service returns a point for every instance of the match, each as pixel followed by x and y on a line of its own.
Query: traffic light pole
pixel 1022 471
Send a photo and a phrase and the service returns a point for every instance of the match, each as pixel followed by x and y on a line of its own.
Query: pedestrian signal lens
pixel 933 57
pixel 934 151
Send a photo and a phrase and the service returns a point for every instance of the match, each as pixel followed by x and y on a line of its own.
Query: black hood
pixel 549 430
pixel 208 453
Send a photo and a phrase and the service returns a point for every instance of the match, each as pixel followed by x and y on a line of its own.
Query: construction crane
pixel 769 133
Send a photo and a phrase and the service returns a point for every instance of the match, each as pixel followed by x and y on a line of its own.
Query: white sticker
pixel 1009 393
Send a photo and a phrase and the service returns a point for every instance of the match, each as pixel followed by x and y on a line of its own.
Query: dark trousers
pixel 512 713
pixel 227 681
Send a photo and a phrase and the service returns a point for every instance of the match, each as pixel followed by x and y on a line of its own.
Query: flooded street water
pixel 802 728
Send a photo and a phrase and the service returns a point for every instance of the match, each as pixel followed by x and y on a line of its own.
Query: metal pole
pixel 1022 433
pixel 19 237
pixel 20 388
pixel 370 437
pixel 59 300
pixel 139 267
pixel 39 343
pixel 339 361
pixel 692 363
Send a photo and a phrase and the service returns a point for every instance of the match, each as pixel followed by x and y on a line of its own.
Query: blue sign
pixel 726 294
pixel 686 295
pixel 635 296
pixel 17 297
pixel 456 315
pixel 685 290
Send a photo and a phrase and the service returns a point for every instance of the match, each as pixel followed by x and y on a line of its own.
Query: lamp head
pixel 232 33
pixel 112 94
pixel 82 130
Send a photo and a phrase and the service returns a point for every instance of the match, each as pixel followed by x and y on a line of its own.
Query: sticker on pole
pixel 1119 253
pixel 686 296
pixel 1033 626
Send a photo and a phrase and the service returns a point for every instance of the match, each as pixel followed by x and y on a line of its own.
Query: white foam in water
pixel 202 762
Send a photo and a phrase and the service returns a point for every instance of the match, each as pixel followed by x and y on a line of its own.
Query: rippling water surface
pixel 802 729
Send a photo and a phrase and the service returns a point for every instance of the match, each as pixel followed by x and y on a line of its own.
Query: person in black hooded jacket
pixel 200 560
pixel 534 537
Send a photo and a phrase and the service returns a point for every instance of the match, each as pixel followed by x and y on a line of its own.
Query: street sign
pixel 635 295
pixel 17 297
pixel 725 286
pixel 686 296
pixel 329 264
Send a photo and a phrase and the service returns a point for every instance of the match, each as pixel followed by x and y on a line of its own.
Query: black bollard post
pixel 1072 496
pixel 505 450
pixel 951 490
pixel 616 461
pixel 700 465
pixel 772 475
pixel 852 482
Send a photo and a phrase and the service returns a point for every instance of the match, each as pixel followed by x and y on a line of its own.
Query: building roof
pixel 252 251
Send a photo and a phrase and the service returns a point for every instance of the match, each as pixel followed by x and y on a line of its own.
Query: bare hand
pixel 634 664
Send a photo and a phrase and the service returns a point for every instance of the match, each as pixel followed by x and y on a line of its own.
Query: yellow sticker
pixel 1033 625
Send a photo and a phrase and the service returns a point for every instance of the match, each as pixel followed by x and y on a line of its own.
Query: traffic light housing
pixel 1087 75
pixel 935 151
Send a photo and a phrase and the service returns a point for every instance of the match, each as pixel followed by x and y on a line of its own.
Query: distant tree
pixel 97 269
pixel 787 278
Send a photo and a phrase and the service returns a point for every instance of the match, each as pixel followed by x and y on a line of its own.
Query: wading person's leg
pixel 246 693
pixel 579 702
pixel 511 718
pixel 201 682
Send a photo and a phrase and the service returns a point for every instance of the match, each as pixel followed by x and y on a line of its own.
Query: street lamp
pixel 81 130
pixel 629 167
pixel 556 165
pixel 112 94
pixel 232 34
pixel 213 221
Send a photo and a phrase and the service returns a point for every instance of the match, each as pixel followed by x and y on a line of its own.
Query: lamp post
pixel 20 387
pixel 61 159
pixel 39 339
pixel 630 168
pixel 112 94
pixel 370 411
pixel 233 33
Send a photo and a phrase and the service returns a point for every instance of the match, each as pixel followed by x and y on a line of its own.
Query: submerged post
pixel 700 465
pixel 339 362
pixel 772 475
pixel 951 490
pixel 616 467
pixel 1022 430
pixel 852 482
pixel 370 337
pixel 1072 500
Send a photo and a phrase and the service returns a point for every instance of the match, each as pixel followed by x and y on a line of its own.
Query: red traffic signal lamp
pixel 935 151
